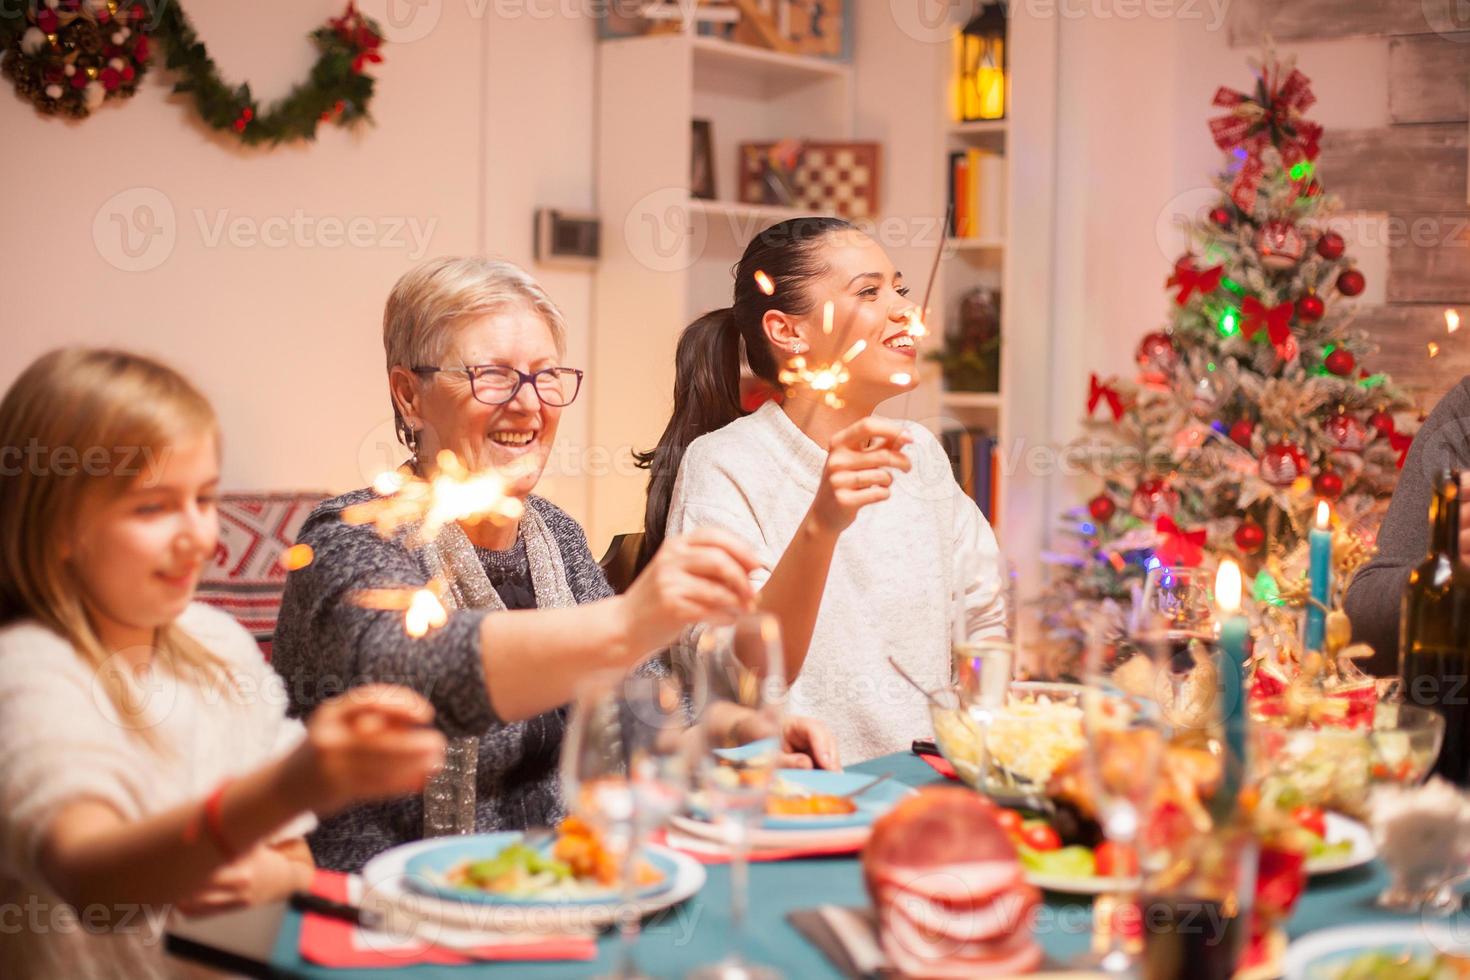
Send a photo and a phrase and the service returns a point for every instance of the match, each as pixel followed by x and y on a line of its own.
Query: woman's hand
pixel 701 577
pixel 264 874
pixel 806 743
pixel 372 742
pixel 859 472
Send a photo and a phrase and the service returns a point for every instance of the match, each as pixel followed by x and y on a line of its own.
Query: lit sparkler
pixel 1451 320
pixel 825 379
pixel 423 610
pixel 453 494
pixel 297 557
pixel 1433 349
pixel 764 282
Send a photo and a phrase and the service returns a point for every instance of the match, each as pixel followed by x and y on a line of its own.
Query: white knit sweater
pixel 892 576
pixel 60 743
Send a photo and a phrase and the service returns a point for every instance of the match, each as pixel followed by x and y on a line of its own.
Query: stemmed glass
pixel 1125 731
pixel 745 678
pixel 626 767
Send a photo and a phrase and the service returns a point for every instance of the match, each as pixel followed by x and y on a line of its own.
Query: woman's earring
pixel 411 440
pixel 797 347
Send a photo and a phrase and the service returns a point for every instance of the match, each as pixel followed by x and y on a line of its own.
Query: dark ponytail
pixel 707 365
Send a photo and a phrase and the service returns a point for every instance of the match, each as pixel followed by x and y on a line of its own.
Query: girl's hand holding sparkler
pixel 859 472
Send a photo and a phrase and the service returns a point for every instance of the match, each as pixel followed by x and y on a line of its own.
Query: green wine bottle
pixel 1434 632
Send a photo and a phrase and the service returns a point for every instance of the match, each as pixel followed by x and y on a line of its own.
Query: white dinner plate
pixel 1339 829
pixel 454 923
pixel 1321 955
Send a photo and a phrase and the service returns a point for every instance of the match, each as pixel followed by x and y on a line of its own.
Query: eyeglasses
pixel 496 384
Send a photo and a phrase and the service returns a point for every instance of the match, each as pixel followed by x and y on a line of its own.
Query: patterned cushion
pixel 246 578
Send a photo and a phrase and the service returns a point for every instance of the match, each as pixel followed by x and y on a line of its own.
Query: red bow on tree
pixel 1097 390
pixel 1276 320
pixel 1181 548
pixel 1401 442
pixel 1192 280
pixel 1271 116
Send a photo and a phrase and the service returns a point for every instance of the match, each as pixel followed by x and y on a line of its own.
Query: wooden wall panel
pixel 1429 78
pixel 1403 333
pixel 1431 264
pixel 1314 20
pixel 1400 168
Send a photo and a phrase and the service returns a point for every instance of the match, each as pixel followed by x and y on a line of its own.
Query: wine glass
pixel 745 679
pixel 626 767
pixel 1178 596
pixel 1124 725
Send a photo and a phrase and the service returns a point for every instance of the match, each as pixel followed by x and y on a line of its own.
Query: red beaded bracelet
pixel 213 824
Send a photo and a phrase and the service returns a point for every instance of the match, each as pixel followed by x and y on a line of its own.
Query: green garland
pixel 337 90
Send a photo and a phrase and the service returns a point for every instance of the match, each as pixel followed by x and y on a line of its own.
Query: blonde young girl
pixel 145 758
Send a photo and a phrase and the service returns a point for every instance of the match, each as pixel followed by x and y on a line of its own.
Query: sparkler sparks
pixel 422 609
pixel 453 494
pixel 1433 349
pixel 1451 320
pixel 828 308
pixel 901 378
pixel 297 557
pixel 824 379
pixel 916 325
pixel 764 282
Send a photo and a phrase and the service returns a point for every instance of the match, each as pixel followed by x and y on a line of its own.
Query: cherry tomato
pixel 1010 822
pixel 1310 818
pixel 1040 837
pixel 1115 860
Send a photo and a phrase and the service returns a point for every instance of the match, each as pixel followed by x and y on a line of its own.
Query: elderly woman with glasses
pixel 474 351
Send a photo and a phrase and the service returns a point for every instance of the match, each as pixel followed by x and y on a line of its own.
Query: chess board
pixel 836 178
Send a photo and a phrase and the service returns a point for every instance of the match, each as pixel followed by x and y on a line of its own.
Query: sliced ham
pixel 960 885
pixel 1024 957
pixel 1000 917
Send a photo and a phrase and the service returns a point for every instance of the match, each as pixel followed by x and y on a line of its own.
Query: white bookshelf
pixel 666 255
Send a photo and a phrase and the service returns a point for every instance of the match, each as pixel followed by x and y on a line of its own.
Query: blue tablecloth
pixel 698 931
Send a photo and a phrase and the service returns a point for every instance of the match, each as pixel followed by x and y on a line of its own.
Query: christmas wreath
pixel 69 56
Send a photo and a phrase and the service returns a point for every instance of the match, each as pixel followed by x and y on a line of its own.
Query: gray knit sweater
pixel 325 644
pixel 1377 591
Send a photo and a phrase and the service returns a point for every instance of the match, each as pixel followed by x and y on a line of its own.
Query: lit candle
pixel 1230 667
pixel 1320 543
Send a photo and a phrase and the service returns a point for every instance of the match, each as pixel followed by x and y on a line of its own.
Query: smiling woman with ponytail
pixel 862 532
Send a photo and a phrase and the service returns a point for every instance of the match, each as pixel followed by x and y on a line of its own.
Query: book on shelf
pixel 977 188
pixel 974 457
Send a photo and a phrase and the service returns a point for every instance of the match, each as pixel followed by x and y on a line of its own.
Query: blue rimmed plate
pixel 427 873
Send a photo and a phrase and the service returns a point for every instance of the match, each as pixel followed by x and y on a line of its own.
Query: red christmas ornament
pixel 1346 432
pixel 1249 536
pixel 1280 244
pixel 1153 499
pixel 1327 484
pixel 1221 217
pixel 1382 423
pixel 1341 362
pixel 1330 245
pixel 1313 189
pixel 1156 356
pixel 1351 282
pixel 1241 432
pixel 1102 508
pixel 1282 464
pixel 1310 308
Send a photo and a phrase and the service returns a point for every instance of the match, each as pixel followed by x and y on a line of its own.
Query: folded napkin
pixel 713 852
pixel 848 937
pixel 939 764
pixel 326 941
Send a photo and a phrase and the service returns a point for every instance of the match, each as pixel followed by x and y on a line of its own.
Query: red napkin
pixel 660 837
pixel 328 942
pixel 940 765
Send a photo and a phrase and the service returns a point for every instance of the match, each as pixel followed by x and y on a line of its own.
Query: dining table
pixel 700 931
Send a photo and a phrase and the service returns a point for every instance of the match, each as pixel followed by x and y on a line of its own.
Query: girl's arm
pixel 367 745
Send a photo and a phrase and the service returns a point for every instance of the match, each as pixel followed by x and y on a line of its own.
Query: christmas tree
pixel 1254 402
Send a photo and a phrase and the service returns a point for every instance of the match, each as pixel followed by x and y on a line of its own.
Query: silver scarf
pixel 449 796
